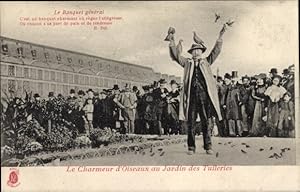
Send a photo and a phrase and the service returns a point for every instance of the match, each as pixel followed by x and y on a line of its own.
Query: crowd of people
pixel 251 106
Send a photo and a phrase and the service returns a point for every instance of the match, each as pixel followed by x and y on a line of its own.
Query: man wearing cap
pixel 199 95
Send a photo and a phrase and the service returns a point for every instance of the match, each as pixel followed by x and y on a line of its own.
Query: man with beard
pixel 200 95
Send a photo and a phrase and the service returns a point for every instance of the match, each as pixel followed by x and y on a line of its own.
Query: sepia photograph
pixel 166 86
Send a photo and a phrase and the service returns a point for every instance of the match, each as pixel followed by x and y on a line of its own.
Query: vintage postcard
pixel 149 96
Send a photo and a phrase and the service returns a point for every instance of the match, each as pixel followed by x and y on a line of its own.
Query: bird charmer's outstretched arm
pixel 217 48
pixel 175 55
pixel 215 52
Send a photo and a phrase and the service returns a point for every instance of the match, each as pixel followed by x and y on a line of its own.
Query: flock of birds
pixel 152 152
pixel 161 151
pixel 196 38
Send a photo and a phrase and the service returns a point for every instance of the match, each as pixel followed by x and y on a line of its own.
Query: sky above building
pixel 264 35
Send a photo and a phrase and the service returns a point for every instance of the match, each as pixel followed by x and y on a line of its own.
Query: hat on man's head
pixel 234 74
pixel 245 77
pixel 72 91
pixel 155 83
pixel 134 88
pixel 90 90
pixel 116 87
pixel 219 78
pixel 162 81
pixel 36 95
pixel 286 71
pixel 80 92
pixel 51 94
pixel 146 87
pixel 273 70
pixel 197 46
pixel 227 76
pixel 173 82
pixel 127 87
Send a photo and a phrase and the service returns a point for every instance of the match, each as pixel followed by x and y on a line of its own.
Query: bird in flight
pixel 217 17
pixel 230 23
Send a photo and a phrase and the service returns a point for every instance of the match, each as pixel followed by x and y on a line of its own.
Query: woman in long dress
pixel 258 125
pixel 274 93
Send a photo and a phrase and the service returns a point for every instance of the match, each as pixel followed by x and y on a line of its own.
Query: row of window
pixel 19 87
pixel 107 67
pixel 46 75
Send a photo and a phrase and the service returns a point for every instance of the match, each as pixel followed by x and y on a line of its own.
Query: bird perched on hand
pixel 230 23
pixel 170 35
pixel 197 39
pixel 217 17
pixel 179 46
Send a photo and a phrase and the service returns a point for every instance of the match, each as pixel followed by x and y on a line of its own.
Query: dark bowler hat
pixel 273 70
pixel 134 88
pixel 245 77
pixel 227 76
pixel 51 94
pixel 197 46
pixel 80 92
pixel 146 87
pixel 286 72
pixel 173 82
pixel 116 87
pixel 72 91
pixel 162 81
pixel 36 95
pixel 90 90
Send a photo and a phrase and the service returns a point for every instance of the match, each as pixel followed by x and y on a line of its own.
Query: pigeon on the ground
pixel 232 145
pixel 152 154
pixel 160 149
pixel 244 144
pixel 217 17
pixel 197 39
pixel 143 153
pixel 247 146
pixel 271 148
pixel 261 149
pixel 220 143
pixel 243 151
pixel 217 154
pixel 162 153
pixel 151 149
pixel 229 142
pixel 276 155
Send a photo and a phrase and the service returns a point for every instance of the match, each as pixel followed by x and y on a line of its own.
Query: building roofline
pixel 75 52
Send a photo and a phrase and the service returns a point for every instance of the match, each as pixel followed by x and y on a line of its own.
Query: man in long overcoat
pixel 199 95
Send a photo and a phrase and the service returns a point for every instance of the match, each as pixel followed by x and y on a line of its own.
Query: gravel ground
pixel 227 151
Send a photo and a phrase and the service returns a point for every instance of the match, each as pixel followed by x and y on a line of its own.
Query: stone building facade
pixel 40 69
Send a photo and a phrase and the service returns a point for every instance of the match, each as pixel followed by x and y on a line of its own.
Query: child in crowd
pixel 286 124
pixel 89 110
